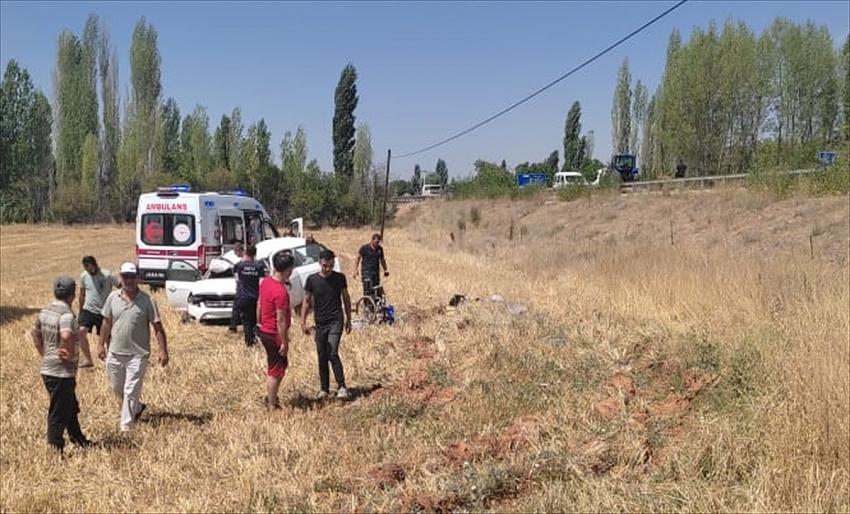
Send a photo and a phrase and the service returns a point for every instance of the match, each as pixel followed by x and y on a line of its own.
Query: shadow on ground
pixel 305 402
pixel 159 418
pixel 9 313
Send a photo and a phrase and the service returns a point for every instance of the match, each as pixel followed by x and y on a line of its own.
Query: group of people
pixel 123 319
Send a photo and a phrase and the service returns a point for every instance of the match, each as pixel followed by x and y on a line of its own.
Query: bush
pixel 475 216
pixel 574 192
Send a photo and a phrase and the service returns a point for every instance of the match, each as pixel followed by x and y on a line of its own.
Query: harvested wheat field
pixel 618 371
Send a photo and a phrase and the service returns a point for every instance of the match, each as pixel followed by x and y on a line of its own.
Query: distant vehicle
pixel 209 295
pixel 569 178
pixel 432 190
pixel 175 223
pixel 531 179
pixel 626 165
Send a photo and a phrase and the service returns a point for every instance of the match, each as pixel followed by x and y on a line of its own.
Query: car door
pixel 296 227
pixel 306 264
pixel 179 278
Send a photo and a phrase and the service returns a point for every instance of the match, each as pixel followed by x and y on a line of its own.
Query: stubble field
pixel 619 372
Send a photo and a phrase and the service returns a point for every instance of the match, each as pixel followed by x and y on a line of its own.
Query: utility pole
pixel 386 191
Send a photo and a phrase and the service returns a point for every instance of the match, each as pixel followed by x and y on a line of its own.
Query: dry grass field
pixel 621 373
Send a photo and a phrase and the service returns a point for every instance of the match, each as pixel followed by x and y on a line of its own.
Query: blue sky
pixel 426 70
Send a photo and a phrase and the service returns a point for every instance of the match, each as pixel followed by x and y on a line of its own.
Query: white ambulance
pixel 175 225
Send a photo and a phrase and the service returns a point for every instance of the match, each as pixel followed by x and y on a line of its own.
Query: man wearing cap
pixel 57 340
pixel 128 315
pixel 95 285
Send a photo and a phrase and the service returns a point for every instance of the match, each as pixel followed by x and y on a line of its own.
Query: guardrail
pixel 411 199
pixel 695 182
pixel 653 185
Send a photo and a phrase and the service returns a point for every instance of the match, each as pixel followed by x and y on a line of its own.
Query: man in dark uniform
pixel 248 273
pixel 681 168
pixel 371 256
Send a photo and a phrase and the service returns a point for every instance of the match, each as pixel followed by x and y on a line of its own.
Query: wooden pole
pixel 386 192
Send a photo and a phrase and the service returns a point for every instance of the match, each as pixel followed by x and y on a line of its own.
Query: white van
pixel 432 190
pixel 174 223
pixel 564 179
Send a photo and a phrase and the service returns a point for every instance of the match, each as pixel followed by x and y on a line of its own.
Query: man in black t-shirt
pixel 371 255
pixel 327 292
pixel 248 273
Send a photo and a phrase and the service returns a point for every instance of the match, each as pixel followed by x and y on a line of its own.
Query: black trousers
pixel 248 312
pixel 328 338
pixel 235 316
pixel 371 281
pixel 62 412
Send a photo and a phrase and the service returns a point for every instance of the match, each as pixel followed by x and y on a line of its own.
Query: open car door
pixel 179 278
pixel 296 227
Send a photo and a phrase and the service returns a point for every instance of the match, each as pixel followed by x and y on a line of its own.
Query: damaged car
pixel 209 296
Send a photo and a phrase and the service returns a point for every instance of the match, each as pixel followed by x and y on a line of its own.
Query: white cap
pixel 128 268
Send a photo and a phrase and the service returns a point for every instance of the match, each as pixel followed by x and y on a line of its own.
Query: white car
pixel 210 296
pixel 564 179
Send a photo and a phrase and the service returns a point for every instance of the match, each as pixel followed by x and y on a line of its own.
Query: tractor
pixel 625 165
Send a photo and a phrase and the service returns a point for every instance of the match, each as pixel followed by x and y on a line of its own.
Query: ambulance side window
pixel 153 229
pixel 163 229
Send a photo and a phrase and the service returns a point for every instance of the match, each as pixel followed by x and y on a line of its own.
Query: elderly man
pixel 128 315
pixel 57 340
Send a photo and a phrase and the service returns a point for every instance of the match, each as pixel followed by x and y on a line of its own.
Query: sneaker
pixel 342 393
pixel 323 395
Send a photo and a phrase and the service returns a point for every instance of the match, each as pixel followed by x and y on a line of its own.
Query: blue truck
pixel 531 179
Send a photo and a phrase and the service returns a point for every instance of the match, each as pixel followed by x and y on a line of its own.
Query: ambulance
pixel 176 227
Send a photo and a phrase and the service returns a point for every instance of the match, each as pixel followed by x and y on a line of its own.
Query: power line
pixel 547 86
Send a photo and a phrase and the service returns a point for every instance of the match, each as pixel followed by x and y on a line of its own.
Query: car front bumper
pixel 201 312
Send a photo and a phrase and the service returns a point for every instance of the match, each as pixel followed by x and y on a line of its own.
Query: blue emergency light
pixel 209 204
pixel 236 192
pixel 175 188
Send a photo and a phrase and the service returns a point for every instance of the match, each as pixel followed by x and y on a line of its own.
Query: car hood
pixel 216 286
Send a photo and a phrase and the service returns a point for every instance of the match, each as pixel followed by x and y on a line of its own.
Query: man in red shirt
pixel 274 318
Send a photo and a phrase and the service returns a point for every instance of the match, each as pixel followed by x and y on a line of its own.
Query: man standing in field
pixel 128 315
pixel 57 340
pixel 275 319
pixel 327 291
pixel 248 273
pixel 372 256
pixel 95 285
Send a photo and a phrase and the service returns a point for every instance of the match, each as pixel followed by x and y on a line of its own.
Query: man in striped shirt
pixel 57 339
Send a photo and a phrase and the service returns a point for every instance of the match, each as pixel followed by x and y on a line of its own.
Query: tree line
pixel 731 101
pixel 78 159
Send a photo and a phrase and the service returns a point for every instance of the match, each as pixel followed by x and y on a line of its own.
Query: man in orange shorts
pixel 273 321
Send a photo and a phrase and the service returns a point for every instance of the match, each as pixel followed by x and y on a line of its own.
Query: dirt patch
pixel 622 383
pixel 608 408
pixel 416 315
pixel 425 503
pixel 519 434
pixel 387 475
